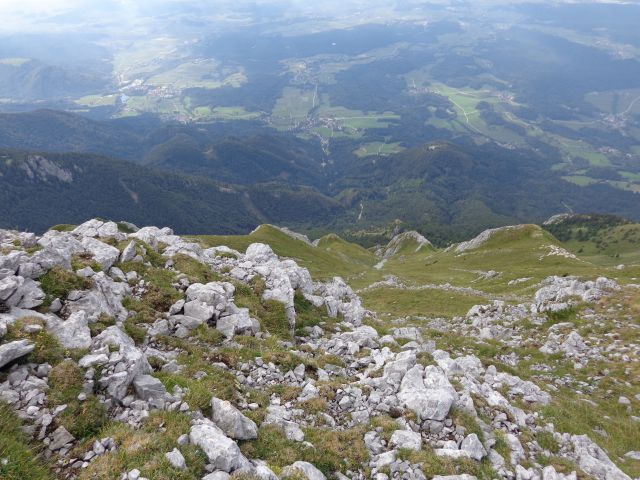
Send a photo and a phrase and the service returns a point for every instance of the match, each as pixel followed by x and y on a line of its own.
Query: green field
pixel 166 107
pixel 292 107
pixel 378 148
pixel 465 104
pixel 616 101
pixel 197 74
pixel 580 180
pixel 206 113
pixel 145 57
pixel 575 149
pixel 98 100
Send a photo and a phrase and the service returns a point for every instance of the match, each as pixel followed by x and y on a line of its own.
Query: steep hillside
pixel 32 80
pixel 449 191
pixel 38 190
pixel 246 161
pixel 603 239
pixel 55 131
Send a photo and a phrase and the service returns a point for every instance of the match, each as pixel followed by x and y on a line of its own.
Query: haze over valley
pixel 293 95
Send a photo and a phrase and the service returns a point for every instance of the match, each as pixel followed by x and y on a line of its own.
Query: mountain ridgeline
pixel 230 179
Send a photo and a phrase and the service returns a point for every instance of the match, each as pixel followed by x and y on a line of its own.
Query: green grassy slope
pixel 600 239
pixel 520 258
pixel 330 258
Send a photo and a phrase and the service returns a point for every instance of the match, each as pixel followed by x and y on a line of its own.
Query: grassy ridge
pixel 331 258
pixel 523 256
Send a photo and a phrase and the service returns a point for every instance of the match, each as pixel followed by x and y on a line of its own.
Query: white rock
pixel 472 445
pixel 105 297
pixel 200 310
pixel 302 468
pixel 407 439
pixel 293 432
pixel 73 332
pixel 92 360
pixel 263 472
pixel 213 293
pixel 133 360
pixel 464 476
pixel 148 387
pixel 60 438
pixel 222 452
pixel 176 459
pixel 484 237
pixel 217 476
pixel 238 323
pixel 129 252
pixel 231 421
pixel 594 461
pixel 100 229
pixel 21 292
pixel 14 350
pixel 634 455
pixel 427 392
pixel 309 392
pixel 104 254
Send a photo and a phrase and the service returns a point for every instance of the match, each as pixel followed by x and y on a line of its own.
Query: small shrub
pixel 433 465
pixel 84 419
pixel 194 270
pixel 58 283
pixel 124 228
pixel 65 383
pixel 148 308
pixel 157 299
pixel 23 463
pixel 63 227
pixel 47 347
pixel 547 442
pixel 105 321
pixel 271 314
pixel 208 335
pixel 561 315
pixel 274 319
pixel 314 406
pixel 83 260
pixel 136 332
pixel 307 315
pixel 286 393
pixel 501 446
pixel 155 258
pixel 258 285
pixel 468 421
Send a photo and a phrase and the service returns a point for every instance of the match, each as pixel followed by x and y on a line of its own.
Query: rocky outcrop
pixel 125 363
pixel 73 332
pixel 400 241
pixel 559 292
pixel 484 237
pixel 222 452
pixel 231 421
pixel 13 350
pixel 338 374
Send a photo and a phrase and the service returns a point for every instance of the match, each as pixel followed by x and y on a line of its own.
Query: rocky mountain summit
pixel 133 353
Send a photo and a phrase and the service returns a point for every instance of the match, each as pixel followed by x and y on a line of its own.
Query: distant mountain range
pixel 199 180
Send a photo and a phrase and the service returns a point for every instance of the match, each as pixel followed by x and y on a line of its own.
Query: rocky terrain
pixel 131 353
